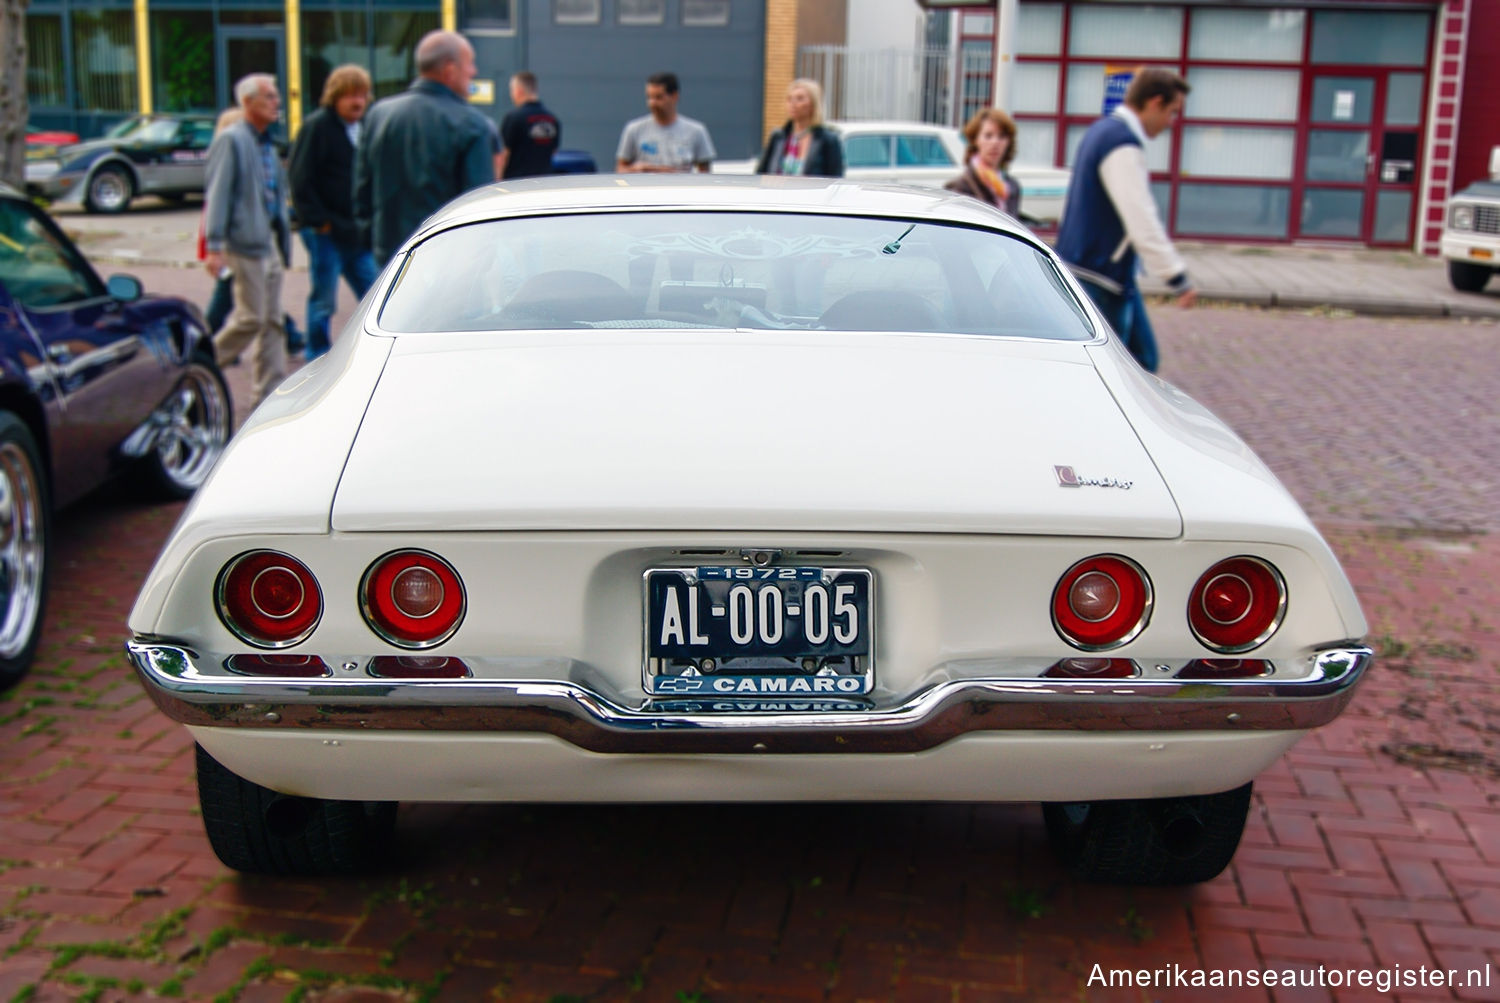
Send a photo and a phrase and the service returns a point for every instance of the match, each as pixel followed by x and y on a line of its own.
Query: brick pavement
pixel 1376 841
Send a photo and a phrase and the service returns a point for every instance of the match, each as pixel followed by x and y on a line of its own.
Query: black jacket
pixel 824 157
pixel 322 176
pixel 417 151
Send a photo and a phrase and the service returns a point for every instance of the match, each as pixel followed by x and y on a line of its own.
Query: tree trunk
pixel 14 110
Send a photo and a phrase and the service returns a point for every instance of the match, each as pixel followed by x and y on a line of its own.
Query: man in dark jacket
pixel 423 147
pixel 530 132
pixel 323 192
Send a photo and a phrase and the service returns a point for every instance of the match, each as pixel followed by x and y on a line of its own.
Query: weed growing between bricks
pixel 160 944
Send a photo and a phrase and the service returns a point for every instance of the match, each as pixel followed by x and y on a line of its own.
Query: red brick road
pixel 1375 842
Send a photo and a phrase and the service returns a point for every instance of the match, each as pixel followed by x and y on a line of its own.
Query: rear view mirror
pixel 125 288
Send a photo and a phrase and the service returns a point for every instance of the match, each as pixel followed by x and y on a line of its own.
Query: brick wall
pixel 781 60
pixel 1479 120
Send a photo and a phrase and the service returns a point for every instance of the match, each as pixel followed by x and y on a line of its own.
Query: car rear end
pixel 734 550
pixel 884 609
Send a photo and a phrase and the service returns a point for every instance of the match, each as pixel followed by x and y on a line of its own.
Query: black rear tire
pixel 1151 841
pixel 1467 278
pixel 258 831
pixel 25 548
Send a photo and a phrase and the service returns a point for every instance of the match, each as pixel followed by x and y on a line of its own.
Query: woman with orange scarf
pixel 992 146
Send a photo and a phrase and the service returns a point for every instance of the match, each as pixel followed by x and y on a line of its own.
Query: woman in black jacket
pixel 804 145
pixel 992 146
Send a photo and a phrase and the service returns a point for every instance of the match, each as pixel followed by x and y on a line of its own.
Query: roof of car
pixel 890 126
pixel 710 192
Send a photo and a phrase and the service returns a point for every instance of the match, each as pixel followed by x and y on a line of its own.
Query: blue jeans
pixel 1142 335
pixel 1126 313
pixel 328 259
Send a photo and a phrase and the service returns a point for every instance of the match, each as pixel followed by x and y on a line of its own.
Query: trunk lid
pixel 757 430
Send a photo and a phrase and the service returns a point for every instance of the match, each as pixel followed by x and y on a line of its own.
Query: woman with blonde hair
pixel 804 145
pixel 992 146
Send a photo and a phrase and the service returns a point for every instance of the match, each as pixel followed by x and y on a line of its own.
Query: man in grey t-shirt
pixel 663 141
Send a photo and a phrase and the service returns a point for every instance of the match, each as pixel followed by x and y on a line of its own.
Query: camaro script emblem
pixel 1068 478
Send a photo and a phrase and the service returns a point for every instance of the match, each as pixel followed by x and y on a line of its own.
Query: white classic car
pixel 930 156
pixel 710 489
pixel 1471 240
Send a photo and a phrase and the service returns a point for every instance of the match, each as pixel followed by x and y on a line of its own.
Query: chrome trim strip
pixel 579 714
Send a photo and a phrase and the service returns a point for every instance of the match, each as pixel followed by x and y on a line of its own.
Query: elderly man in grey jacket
pixel 246 230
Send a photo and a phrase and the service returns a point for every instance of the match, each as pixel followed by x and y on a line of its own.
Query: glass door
pixel 247 49
pixel 1396 180
pixel 1360 163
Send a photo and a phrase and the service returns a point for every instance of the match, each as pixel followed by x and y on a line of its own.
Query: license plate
pixel 758 631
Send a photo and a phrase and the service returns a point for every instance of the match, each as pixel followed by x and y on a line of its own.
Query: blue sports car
pixel 96 379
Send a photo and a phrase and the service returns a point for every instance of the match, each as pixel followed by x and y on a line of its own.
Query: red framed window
pixel 1302 124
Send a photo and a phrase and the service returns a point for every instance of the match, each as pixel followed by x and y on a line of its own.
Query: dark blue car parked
pixel 96 379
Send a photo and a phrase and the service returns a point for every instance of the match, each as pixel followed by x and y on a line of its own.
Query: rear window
pixel 731 270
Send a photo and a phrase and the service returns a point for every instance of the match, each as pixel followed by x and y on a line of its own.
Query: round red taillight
pixel 268 599
pixel 1101 602
pixel 412 599
pixel 1237 604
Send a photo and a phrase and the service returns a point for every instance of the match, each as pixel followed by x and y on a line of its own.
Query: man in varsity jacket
pixel 1110 220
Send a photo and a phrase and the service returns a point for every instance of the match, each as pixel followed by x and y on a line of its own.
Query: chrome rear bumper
pixel 195 691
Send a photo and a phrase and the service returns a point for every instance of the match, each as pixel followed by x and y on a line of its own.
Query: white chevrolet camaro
pixel 736 489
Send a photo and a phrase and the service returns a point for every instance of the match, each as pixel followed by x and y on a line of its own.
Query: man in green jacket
pixel 421 148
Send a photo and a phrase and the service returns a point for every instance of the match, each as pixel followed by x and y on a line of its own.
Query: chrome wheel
pixel 194 427
pixel 23 549
pixel 109 190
